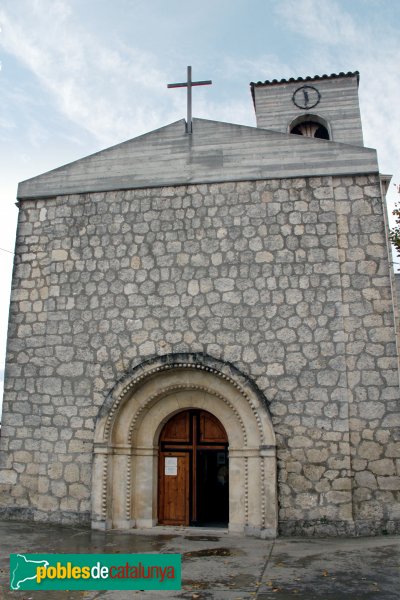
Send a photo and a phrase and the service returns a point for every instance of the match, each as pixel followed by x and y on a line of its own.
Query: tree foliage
pixel 394 233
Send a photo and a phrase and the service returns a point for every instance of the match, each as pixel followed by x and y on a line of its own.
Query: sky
pixel 78 76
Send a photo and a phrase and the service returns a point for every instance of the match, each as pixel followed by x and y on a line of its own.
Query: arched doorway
pixel 193 470
pixel 125 490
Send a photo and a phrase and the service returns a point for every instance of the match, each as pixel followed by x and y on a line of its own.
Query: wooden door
pixel 174 488
pixel 192 446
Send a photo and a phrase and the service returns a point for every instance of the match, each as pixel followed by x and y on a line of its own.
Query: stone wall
pixel 288 280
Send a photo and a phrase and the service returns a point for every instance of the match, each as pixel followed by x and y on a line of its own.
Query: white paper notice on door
pixel 171 465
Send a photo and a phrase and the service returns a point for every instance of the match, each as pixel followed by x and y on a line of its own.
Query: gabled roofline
pixel 300 79
pixel 216 152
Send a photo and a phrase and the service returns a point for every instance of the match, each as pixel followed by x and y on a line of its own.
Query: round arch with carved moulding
pixel 124 492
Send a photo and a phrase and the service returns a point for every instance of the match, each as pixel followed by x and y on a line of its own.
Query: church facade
pixel 202 329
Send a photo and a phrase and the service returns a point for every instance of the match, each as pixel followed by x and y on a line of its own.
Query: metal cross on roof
pixel 189 84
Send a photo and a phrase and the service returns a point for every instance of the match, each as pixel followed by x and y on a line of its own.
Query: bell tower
pixel 324 107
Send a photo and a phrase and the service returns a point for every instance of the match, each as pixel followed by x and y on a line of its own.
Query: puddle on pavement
pixel 196 595
pixel 202 538
pixel 241 581
pixel 193 585
pixel 209 552
pixel 56 539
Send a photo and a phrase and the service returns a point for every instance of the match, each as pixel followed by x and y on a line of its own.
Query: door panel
pixel 177 429
pixel 174 488
pixel 211 429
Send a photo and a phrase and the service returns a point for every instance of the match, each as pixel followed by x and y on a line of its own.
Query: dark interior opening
pixel 212 488
pixel 311 129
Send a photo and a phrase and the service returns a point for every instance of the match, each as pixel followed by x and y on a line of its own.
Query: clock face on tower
pixel 306 97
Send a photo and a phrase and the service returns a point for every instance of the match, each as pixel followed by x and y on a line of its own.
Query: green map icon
pixel 25 569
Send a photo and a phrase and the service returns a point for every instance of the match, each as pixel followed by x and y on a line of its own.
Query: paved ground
pixel 220 566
